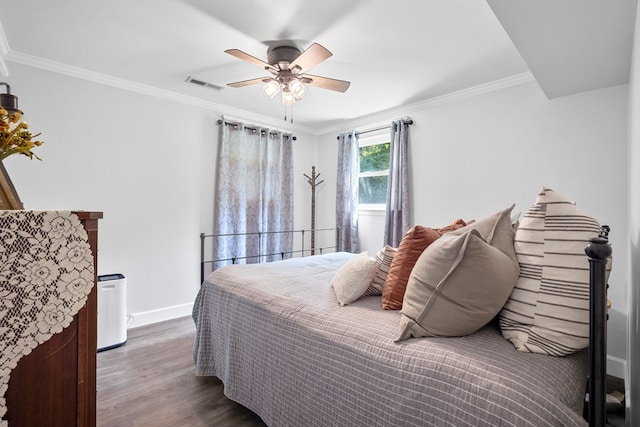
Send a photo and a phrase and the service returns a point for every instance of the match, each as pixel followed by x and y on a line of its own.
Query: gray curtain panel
pixel 347 191
pixel 254 193
pixel 397 219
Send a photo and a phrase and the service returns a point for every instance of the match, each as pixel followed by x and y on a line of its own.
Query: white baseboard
pixel 143 318
pixel 616 367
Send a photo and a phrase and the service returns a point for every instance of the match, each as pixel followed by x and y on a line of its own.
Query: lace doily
pixel 46 274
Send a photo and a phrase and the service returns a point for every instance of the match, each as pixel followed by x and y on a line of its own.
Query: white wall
pixel 147 163
pixel 475 156
pixel 633 280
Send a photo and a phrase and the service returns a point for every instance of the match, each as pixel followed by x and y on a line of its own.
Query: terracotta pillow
pixel 455 225
pixel 413 243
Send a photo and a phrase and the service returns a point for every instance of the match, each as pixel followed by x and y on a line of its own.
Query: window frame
pixel 365 141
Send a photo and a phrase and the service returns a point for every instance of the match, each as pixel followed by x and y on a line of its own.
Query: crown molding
pixel 387 116
pixel 470 92
pixel 6 54
pixel 4 49
pixel 105 79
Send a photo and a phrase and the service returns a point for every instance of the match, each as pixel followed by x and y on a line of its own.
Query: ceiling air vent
pixel 202 83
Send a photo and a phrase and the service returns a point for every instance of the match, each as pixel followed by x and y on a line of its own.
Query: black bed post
pixel 202 236
pixel 598 250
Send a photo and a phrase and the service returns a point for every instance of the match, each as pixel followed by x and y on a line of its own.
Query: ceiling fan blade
pixel 326 83
pixel 314 55
pixel 250 59
pixel 243 83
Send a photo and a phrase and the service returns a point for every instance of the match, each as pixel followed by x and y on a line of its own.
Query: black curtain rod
pixel 248 127
pixel 409 122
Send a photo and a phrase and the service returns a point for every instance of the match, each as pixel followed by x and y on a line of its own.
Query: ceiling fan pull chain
pixel 290 113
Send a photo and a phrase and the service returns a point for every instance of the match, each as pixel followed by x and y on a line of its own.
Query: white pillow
pixel 353 278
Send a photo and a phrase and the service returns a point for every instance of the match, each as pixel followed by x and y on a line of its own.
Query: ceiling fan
pixel 288 67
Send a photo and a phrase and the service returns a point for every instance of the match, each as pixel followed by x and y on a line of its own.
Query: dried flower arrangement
pixel 15 137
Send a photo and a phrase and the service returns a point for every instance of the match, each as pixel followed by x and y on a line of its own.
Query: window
pixel 374 170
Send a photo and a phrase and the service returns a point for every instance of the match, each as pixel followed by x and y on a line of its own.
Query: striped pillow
pixel 548 310
pixel 383 262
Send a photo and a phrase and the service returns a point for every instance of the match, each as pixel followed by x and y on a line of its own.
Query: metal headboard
pixel 302 251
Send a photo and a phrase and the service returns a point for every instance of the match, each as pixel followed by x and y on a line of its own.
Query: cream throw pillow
pixel 353 278
pixel 497 230
pixel 459 283
pixel 548 311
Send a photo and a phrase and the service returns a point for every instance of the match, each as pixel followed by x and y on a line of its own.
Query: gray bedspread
pixel 283 347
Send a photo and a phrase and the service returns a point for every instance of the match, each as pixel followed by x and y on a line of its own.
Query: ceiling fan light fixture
pixel 297 89
pixel 287 98
pixel 271 88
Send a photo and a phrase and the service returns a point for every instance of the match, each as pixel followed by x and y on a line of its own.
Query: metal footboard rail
pixel 302 251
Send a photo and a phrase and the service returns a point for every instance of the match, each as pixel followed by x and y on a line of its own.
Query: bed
pixel 277 338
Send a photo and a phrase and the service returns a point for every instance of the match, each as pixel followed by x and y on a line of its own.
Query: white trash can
pixel 112 311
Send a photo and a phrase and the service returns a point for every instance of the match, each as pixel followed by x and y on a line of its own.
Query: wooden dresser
pixel 55 385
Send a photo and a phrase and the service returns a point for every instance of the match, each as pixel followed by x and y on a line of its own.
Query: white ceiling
pixel 571 46
pixel 394 53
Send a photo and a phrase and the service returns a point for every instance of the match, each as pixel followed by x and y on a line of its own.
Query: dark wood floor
pixel 615 413
pixel 151 381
